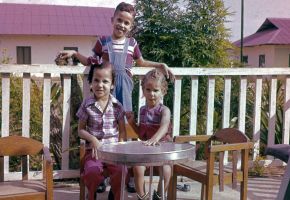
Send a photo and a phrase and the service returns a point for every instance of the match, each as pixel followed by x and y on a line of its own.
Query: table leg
pixel 123 182
pixel 162 183
pixel 150 182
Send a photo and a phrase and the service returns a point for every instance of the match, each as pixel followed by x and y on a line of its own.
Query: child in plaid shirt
pixel 101 121
pixel 154 126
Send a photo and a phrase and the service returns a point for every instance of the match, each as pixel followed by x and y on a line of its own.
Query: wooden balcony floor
pixel 259 188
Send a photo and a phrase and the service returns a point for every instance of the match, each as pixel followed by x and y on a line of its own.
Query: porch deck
pixel 259 188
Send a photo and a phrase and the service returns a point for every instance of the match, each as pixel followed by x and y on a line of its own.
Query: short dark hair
pixel 126 7
pixel 101 66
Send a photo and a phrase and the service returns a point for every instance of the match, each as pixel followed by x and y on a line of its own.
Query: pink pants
pixel 93 175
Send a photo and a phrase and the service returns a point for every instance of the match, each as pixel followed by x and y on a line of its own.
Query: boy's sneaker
pixel 156 196
pixel 101 188
pixel 111 195
pixel 131 186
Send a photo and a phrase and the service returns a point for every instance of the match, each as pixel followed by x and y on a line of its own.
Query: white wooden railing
pixel 244 74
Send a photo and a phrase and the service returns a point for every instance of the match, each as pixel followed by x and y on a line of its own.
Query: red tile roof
pixel 274 31
pixel 32 19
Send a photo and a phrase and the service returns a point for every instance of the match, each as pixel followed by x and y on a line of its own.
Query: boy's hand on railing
pixel 67 54
pixel 66 57
pixel 167 72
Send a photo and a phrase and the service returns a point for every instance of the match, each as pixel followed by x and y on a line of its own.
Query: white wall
pixel 282 56
pixel 45 48
pixel 255 13
pixel 254 52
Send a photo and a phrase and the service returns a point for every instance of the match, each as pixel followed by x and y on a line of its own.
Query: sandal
pixel 184 188
pixel 145 196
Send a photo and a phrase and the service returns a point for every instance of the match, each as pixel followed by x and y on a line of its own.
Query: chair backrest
pixel 19 146
pixel 230 136
pixel 130 133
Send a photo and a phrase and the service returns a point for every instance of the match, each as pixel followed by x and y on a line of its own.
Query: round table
pixel 135 153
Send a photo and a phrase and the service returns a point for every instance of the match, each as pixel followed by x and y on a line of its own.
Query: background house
pixel 33 34
pixel 269 46
pixel 255 13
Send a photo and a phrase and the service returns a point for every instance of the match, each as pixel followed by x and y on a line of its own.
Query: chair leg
pixel 82 189
pixel 244 183
pixel 284 182
pixel 202 192
pixel 171 192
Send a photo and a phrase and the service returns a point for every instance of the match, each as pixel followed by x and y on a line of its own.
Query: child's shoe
pixel 156 196
pixel 111 195
pixel 131 186
pixel 144 197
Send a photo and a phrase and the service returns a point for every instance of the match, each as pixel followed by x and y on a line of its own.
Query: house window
pixel 245 59
pixel 75 60
pixel 23 55
pixel 262 60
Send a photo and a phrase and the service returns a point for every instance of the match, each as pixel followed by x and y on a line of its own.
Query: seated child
pixel 154 127
pixel 101 121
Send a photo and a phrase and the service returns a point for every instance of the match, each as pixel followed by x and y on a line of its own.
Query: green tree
pixel 187 34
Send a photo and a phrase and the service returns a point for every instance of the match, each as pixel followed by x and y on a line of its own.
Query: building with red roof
pixel 34 33
pixel 269 46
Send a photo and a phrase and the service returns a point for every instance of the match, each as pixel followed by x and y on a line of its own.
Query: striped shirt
pixel 103 125
pixel 133 53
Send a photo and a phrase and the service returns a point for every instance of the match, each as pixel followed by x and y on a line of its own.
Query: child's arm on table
pixel 163 129
pixel 94 142
pixel 164 68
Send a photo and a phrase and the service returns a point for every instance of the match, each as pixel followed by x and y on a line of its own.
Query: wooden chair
pixel 282 152
pixel 131 135
pixel 209 172
pixel 25 189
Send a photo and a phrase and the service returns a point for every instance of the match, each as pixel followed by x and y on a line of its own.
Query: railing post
pixel 272 111
pixel 5 113
pixel 46 109
pixel 26 105
pixel 257 116
pixel 210 104
pixel 193 105
pixel 286 120
pixel 242 102
pixel 66 121
pixel 176 105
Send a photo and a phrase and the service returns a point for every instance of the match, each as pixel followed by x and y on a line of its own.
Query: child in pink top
pixel 154 126
pixel 101 121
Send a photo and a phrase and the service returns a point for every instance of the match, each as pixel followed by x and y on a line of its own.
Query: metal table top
pixel 136 153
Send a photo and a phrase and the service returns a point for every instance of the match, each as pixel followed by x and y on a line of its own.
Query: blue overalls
pixel 123 82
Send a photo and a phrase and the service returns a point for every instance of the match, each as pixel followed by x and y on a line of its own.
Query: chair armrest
pixel 231 147
pixel 48 172
pixel 190 138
